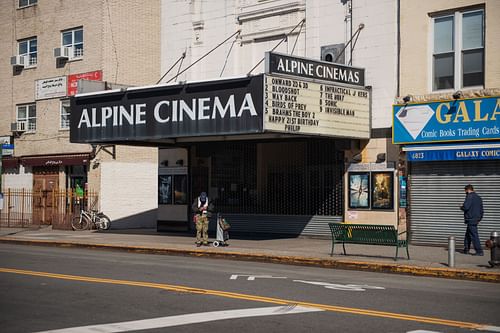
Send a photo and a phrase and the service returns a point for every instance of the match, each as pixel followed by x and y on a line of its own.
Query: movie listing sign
pixel 457 120
pixel 303 107
pixel 313 69
pixel 222 107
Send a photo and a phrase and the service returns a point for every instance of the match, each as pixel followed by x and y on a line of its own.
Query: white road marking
pixel 489 328
pixel 193 318
pixel 422 331
pixel 345 287
pixel 253 277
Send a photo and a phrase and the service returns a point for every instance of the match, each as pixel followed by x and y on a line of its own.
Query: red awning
pixel 10 162
pixel 56 160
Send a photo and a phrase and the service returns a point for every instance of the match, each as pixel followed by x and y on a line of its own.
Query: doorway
pixel 45 181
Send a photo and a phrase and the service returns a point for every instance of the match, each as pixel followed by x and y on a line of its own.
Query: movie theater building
pixel 448 125
pixel 313 158
pixel 272 150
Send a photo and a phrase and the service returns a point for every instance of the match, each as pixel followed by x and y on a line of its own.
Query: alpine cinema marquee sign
pixel 305 96
pixel 273 102
pixel 224 107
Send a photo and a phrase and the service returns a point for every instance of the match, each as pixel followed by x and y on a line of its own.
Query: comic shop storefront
pixel 450 144
pixel 268 149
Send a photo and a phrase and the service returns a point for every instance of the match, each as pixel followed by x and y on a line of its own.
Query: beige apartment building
pixel 447 120
pixel 47 47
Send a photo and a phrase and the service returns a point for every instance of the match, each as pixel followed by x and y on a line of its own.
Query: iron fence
pixel 24 208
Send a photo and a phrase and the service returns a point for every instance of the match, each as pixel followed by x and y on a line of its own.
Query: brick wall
pixel 121 38
pixel 417 48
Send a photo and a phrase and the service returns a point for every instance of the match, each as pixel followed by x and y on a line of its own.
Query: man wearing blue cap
pixel 200 207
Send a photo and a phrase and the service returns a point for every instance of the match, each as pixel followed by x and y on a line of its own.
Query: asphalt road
pixel 80 290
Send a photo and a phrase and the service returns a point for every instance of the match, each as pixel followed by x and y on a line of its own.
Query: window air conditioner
pixel 21 126
pixel 18 61
pixel 63 52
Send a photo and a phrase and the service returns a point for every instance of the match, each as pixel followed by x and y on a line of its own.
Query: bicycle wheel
pixel 105 221
pixel 79 223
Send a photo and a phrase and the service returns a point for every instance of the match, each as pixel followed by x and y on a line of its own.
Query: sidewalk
pixel 425 260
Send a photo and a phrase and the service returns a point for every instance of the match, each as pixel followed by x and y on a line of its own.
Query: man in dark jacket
pixel 473 214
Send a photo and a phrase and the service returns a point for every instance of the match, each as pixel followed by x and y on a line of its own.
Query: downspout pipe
pixel 398 60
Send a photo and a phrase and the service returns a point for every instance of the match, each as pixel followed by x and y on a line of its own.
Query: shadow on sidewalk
pixel 192 233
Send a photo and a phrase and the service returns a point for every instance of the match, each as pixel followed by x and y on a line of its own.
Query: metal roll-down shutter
pixel 437 192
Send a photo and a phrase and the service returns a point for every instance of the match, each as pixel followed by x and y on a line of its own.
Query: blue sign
pixel 7 149
pixel 454 154
pixel 457 120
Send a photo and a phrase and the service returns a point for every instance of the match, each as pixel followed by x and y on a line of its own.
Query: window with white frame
pixel 65 112
pixel 28 48
pixel 26 3
pixel 26 117
pixel 73 39
pixel 458 50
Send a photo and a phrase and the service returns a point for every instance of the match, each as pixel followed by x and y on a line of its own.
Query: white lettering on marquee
pixel 205 108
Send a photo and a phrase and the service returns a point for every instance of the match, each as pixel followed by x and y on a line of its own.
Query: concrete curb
pixel 449 273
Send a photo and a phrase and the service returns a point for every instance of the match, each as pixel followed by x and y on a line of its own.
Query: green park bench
pixel 367 234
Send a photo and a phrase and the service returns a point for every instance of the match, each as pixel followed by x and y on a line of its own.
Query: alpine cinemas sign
pixel 307 68
pixel 222 107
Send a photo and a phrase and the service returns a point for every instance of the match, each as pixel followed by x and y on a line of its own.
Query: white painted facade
pixel 131 200
pixel 20 179
pixel 197 26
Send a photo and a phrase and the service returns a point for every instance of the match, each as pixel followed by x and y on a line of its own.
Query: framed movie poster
pixel 180 189
pixel 165 190
pixel 382 190
pixel 359 190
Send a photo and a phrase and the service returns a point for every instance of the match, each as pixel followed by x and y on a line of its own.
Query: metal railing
pixel 24 208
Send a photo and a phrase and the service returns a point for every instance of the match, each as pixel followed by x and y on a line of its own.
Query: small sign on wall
pixel 73 80
pixel 50 88
pixel 351 215
pixel 402 192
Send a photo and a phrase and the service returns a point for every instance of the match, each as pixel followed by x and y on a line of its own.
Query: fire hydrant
pixel 494 245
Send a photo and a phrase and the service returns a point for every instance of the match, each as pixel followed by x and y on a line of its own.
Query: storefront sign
pixel 73 80
pixel 303 107
pixel 10 162
pixel 77 159
pixel 221 107
pixel 457 120
pixel 454 154
pixel 313 69
pixel 50 88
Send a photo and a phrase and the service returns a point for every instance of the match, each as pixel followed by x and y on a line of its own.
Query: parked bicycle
pixel 86 218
